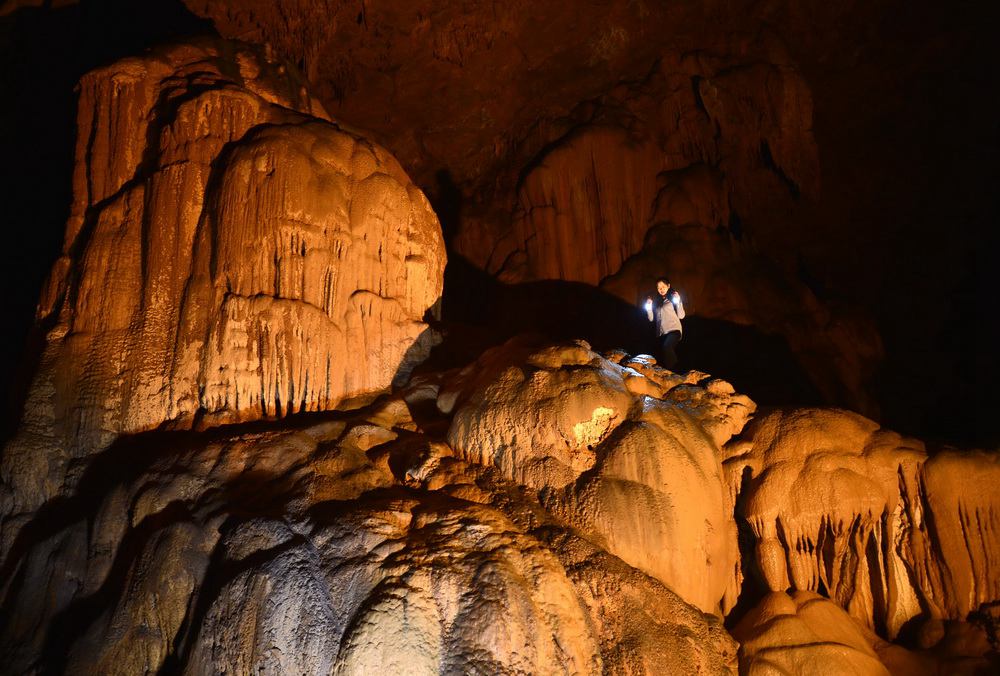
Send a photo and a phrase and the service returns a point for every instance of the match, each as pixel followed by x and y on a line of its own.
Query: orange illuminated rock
pixel 804 634
pixel 339 543
pixel 617 203
pixel 639 474
pixel 643 626
pixel 838 504
pixel 231 255
pixel 578 515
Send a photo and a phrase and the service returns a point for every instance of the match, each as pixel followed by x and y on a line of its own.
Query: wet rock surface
pixel 886 530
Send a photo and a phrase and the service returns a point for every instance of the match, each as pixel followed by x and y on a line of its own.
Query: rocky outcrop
pixel 690 144
pixel 867 517
pixel 341 543
pixel 678 143
pixel 547 508
pixel 231 255
pixel 656 179
pixel 181 496
pixel 804 634
pixel 614 452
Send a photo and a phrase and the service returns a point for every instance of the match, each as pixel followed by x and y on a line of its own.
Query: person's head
pixel 662 286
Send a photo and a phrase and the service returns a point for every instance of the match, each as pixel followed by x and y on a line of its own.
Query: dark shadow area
pixel 447 201
pixel 941 383
pixel 43 53
pixel 757 364
pixel 221 572
pixel 754 587
pixel 905 227
pixel 72 623
pixel 479 312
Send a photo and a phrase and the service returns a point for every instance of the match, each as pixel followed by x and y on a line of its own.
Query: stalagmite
pixel 231 255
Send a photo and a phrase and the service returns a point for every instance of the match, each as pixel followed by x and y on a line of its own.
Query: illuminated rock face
pixel 637 473
pixel 804 634
pixel 343 543
pixel 587 537
pixel 649 139
pixel 838 504
pixel 653 186
pixel 230 255
pixel 227 252
pixel 234 257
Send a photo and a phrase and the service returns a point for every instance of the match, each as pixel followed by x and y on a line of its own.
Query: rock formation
pixel 653 181
pixel 804 634
pixel 228 463
pixel 578 428
pixel 674 138
pixel 231 255
pixel 332 542
pixel 838 505
pixel 598 536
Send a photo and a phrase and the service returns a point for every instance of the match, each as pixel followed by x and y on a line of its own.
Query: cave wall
pixel 544 505
pixel 833 126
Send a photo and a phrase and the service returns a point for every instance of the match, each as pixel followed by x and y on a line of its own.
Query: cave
pixel 366 336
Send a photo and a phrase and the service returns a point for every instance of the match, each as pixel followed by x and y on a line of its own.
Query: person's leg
pixel 668 357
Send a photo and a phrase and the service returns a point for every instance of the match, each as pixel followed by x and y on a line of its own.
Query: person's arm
pixel 649 308
pixel 679 306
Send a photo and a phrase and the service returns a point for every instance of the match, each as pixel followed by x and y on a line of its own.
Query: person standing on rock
pixel 666 312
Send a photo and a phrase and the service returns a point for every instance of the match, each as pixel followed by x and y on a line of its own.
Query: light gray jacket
pixel 667 315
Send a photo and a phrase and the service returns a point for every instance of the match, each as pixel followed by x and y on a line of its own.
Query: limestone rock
pixel 669 150
pixel 286 547
pixel 231 255
pixel 538 422
pixel 640 475
pixel 406 585
pixel 357 542
pixel 837 503
pixel 653 180
pixel 803 634
pixel 643 626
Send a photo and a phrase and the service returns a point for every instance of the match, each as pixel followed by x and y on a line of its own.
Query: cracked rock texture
pixel 804 634
pixel 189 493
pixel 384 540
pixel 231 255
